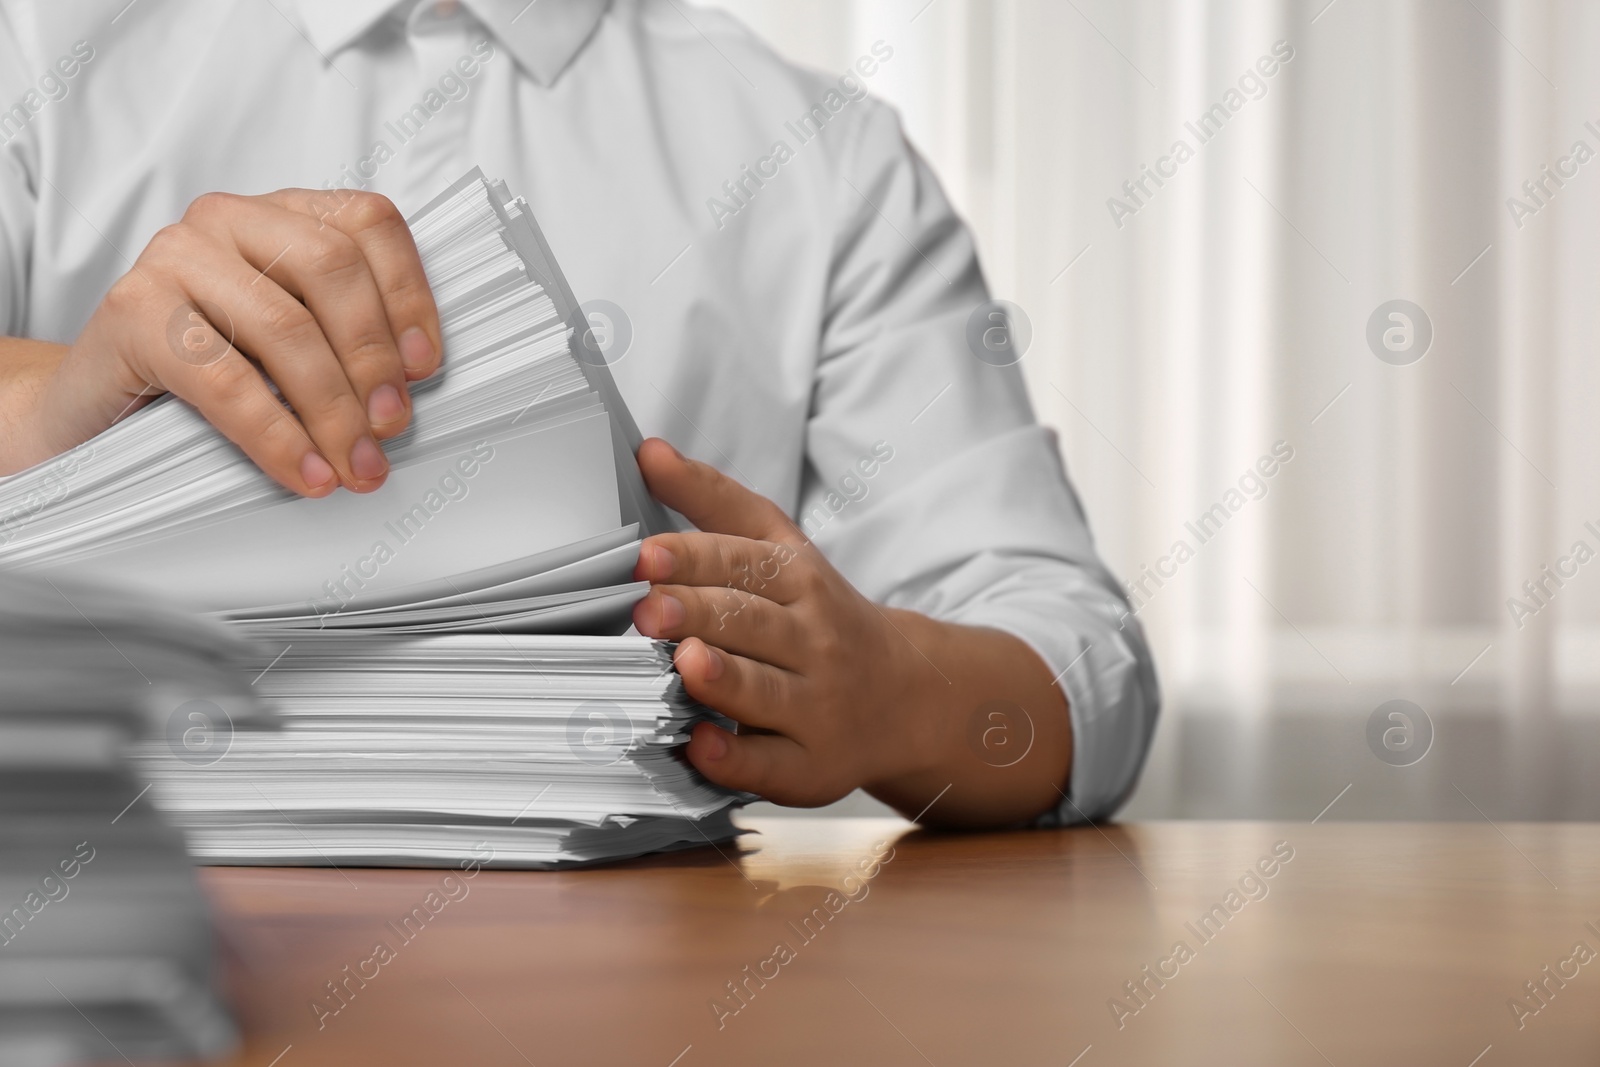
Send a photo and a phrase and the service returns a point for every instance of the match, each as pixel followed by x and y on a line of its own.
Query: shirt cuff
pixel 1097 652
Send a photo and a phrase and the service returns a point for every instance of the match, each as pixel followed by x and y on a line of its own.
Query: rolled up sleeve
pixel 970 518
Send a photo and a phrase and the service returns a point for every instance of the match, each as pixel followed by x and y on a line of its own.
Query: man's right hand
pixel 322 292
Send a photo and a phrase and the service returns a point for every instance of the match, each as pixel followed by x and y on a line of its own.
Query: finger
pixel 279 332
pixel 754 694
pixel 758 567
pixel 226 388
pixel 738 622
pixel 770 765
pixel 710 499
pixel 377 227
pixel 328 273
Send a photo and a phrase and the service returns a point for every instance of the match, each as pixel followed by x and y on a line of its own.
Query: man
pixel 893 587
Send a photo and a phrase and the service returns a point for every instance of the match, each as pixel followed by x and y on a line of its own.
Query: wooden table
pixel 1372 943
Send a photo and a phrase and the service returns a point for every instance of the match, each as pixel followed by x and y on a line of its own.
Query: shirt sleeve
pixel 930 484
pixel 17 195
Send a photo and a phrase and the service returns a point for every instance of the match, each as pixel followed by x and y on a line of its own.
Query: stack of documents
pixel 527 750
pixel 417 640
pixel 105 951
pixel 518 452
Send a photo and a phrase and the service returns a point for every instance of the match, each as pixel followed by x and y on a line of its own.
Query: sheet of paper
pixel 429 521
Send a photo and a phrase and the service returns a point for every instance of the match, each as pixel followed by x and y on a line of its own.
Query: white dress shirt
pixel 796 286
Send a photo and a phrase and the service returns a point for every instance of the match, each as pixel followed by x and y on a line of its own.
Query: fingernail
pixel 713 663
pixel 661 563
pixel 716 744
pixel 673 447
pixel 315 471
pixel 416 351
pixel 366 460
pixel 671 613
pixel 385 405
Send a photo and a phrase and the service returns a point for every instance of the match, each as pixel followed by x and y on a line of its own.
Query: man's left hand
pixel 773 637
pixel 831 691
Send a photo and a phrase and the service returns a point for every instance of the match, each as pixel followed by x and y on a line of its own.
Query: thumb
pixel 708 498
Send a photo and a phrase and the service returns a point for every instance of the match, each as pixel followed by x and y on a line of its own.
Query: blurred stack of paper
pixel 105 951
pixel 422 712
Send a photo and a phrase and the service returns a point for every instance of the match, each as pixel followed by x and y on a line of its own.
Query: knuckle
pixel 691 560
pixel 334 421
pixel 128 295
pixel 286 321
pixel 760 620
pixel 764 561
pixel 369 210
pixel 811 581
pixel 726 562
pixel 826 643
pixel 325 204
pixel 332 253
pixel 772 694
pixel 235 383
pixel 169 244
pixel 410 292
pixel 210 206
pixel 334 413
pixel 750 577
pixel 273 434
pixel 719 606
pixel 372 354
pixel 699 551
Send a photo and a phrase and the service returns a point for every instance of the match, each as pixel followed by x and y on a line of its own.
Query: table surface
pixel 1370 943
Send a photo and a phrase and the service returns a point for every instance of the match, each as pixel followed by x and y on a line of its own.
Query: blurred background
pixel 1380 258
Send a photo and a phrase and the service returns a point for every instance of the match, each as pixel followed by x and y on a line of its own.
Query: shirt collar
pixel 543 36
